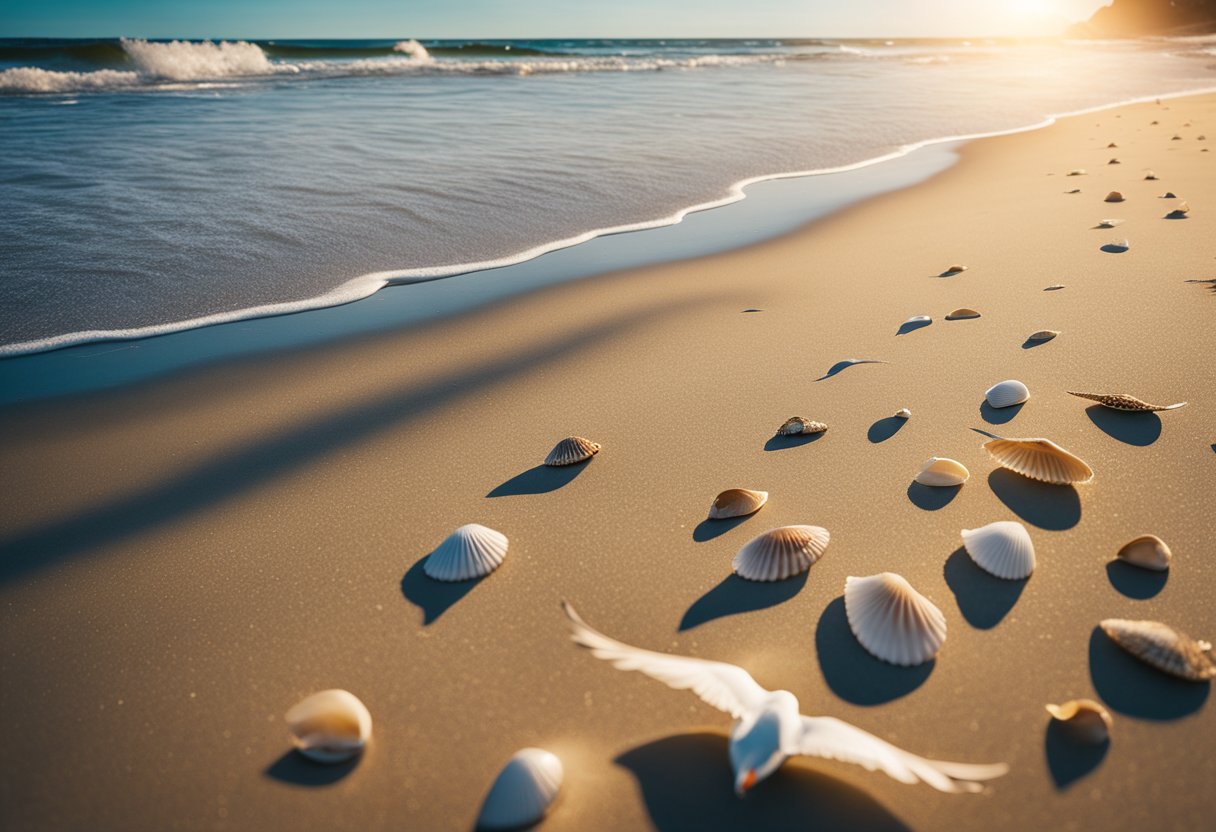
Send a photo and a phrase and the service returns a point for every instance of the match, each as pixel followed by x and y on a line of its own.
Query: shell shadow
pixel 1176 215
pixel 1051 507
pixel 983 599
pixel 932 497
pixel 735 595
pixel 852 673
pixel 780 443
pixel 686 783
pixel 296 769
pixel 999 415
pixel 1031 343
pixel 1069 759
pixel 884 429
pixel 911 326
pixel 709 529
pixel 1131 687
pixel 1135 581
pixel 431 596
pixel 840 366
pixel 1129 428
pixel 539 480
pixel 1113 248
pixel 753 310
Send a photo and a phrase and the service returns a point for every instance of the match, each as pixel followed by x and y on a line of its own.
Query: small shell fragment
pixel 1122 401
pixel 1114 162
pixel 1003 549
pixel 903 413
pixel 1109 223
pixel 955 268
pixel 1073 191
pixel 1176 138
pixel 942 472
pixel 1040 459
pixel 330 726
pixel 570 450
pixel 1114 196
pixel 797 425
pixel 1055 287
pixel 471 551
pixel 781 553
pixel 737 502
pixel 523 791
pixel 1076 172
pixel 1163 647
pixel 892 620
pixel 1085 719
pixel 1112 144
pixel 1043 335
pixel 1007 393
pixel 962 314
pixel 1148 552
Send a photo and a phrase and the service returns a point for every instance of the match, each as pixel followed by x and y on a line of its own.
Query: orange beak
pixel 748 781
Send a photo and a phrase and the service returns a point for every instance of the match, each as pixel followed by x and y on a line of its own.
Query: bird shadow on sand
pixel 1129 428
pixel 852 673
pixel 736 595
pixel 686 784
pixel 1135 581
pixel 539 480
pixel 932 497
pixel 1070 759
pixel 296 769
pixel 1051 507
pixel 780 443
pixel 433 597
pixel 709 529
pixel 1131 687
pixel 885 428
pixel 999 415
pixel 983 599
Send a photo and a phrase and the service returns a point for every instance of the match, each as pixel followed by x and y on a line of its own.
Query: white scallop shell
pixel 962 314
pixel 942 471
pixel 1040 459
pixel 469 552
pixel 523 791
pixel 737 502
pixel 1165 648
pixel 1043 335
pixel 903 413
pixel 1003 549
pixel 892 620
pixel 1113 196
pixel 1007 393
pixel 1147 551
pixel 1085 719
pixel 781 553
pixel 330 726
pixel 570 450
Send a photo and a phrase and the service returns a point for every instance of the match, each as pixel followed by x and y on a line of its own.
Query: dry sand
pixel 183 560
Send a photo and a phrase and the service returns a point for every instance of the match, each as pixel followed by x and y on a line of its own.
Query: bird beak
pixel 746 782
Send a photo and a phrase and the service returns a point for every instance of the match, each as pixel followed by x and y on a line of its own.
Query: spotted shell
pixel 1043 335
pixel 1122 401
pixel 1147 551
pixel 781 553
pixel 1113 196
pixel 737 502
pixel 962 313
pixel 797 425
pixel 330 726
pixel 1003 549
pixel 942 471
pixel 469 552
pixel 1163 647
pixel 892 620
pixel 1040 459
pixel 523 791
pixel 1007 393
pixel 1084 719
pixel 570 450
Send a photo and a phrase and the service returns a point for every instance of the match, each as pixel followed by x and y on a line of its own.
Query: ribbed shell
pixel 469 552
pixel 1007 393
pixel 737 502
pixel 1114 196
pixel 1003 549
pixel 1085 719
pixel 1043 335
pixel 892 620
pixel 962 314
pixel 796 425
pixel 942 471
pixel 1163 647
pixel 570 450
pixel 523 791
pixel 330 726
pixel 781 553
pixel 1122 401
pixel 1040 459
pixel 1147 551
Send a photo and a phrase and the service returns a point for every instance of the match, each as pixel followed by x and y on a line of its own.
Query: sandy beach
pixel 184 559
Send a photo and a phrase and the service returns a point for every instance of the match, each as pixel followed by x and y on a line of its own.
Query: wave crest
pixel 182 60
pixel 412 48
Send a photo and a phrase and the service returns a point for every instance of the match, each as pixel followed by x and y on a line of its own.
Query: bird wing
pixel 725 686
pixel 833 739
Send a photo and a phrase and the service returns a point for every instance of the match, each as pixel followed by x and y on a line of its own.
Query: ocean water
pixel 153 186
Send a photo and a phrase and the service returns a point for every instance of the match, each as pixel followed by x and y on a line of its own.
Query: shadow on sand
pixel 780 443
pixel 1052 507
pixel 1068 758
pixel 431 596
pixel 932 497
pixel 296 769
pixel 1130 428
pixel 539 480
pixel 983 599
pixel 1135 581
pixel 852 673
pixel 1131 687
pixel 709 529
pixel 841 366
pixel 911 326
pixel 736 595
pixel 884 429
pixel 999 415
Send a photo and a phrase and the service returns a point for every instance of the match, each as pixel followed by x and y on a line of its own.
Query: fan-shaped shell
pixel 1109 223
pixel 892 620
pixel 469 552
pixel 796 425
pixel 1113 196
pixel 737 502
pixel 570 450
pixel 1007 393
pixel 1163 647
pixel 1085 719
pixel 1040 459
pixel 523 791
pixel 1002 548
pixel 1122 401
pixel 942 471
pixel 903 413
pixel 961 314
pixel 781 553
pixel 955 268
pixel 330 726
pixel 1147 551
pixel 1043 335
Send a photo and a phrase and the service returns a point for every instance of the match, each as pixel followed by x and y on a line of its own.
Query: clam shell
pixel 892 620
pixel 469 552
pixel 962 313
pixel 942 471
pixel 1147 551
pixel 1003 549
pixel 1163 647
pixel 737 502
pixel 903 413
pixel 1109 223
pixel 1085 719
pixel 1043 335
pixel 1007 393
pixel 523 791
pixel 570 450
pixel 330 726
pixel 781 553
pixel 1122 401
pixel 796 425
pixel 1076 172
pixel 1039 459
pixel 1113 196
pixel 955 268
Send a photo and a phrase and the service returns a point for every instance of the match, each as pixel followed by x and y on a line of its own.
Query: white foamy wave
pixel 412 48
pixel 181 60
pixel 32 79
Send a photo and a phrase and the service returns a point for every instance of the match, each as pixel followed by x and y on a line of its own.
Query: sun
pixel 1031 8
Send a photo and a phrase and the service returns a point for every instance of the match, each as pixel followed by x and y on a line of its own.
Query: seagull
pixel 768 727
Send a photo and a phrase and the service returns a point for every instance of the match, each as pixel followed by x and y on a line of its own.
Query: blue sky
pixel 534 18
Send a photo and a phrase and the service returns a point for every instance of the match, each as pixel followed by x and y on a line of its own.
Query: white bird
pixel 768 726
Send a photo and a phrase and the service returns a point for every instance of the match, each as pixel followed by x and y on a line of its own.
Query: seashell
pixel 781 553
pixel 1077 172
pixel 523 791
pixel 1117 246
pixel 955 268
pixel 1152 123
pixel 1007 393
pixel 941 471
pixel 796 425
pixel 1163 647
pixel 1073 191
pixel 1169 195
pixel 737 502
pixel 1150 176
pixel 331 726
pixel 892 620
pixel 1043 335
pixel 1039 459
pixel 1054 287
pixel 1114 196
pixel 1122 401
pixel 1182 208
pixel 918 319
pixel 1002 548
pixel 962 314
pixel 1201 138
pixel 570 450
pixel 469 552
pixel 1176 138
pixel 903 413
pixel 1109 223
pixel 1114 162
pixel 1147 551
pixel 1085 719
pixel 1112 144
